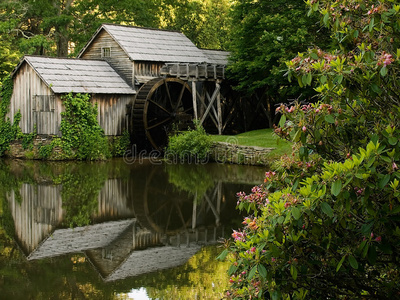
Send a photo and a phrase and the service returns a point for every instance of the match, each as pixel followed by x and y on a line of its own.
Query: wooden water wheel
pixel 161 207
pixel 161 105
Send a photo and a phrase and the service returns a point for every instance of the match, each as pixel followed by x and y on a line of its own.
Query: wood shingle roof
pixel 147 44
pixel 64 75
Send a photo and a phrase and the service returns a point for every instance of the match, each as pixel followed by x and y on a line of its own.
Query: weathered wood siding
pixel 148 68
pixel 36 102
pixel 119 60
pixel 112 110
pixel 113 199
pixel 37 215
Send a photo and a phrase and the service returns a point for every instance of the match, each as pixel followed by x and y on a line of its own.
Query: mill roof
pixel 63 75
pixel 147 44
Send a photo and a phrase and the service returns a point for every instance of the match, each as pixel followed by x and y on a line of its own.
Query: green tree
pixel 325 224
pixel 204 22
pixel 265 34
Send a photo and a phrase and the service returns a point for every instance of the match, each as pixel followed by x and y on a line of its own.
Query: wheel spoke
pixel 168 95
pixel 159 106
pixel 159 123
pixel 188 109
pixel 179 98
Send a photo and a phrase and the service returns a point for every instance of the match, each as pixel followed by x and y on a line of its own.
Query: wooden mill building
pixel 142 80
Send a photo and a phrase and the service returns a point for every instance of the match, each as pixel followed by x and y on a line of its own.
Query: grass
pixel 259 138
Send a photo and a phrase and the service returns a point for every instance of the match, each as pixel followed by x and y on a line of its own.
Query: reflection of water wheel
pixel 161 104
pixel 163 208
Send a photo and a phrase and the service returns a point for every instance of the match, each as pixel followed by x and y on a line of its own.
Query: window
pixel 43 103
pixel 106 52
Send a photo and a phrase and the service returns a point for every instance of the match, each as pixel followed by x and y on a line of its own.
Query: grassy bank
pixel 258 138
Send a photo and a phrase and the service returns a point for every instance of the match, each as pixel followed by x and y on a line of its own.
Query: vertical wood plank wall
pixel 148 68
pixel 112 110
pixel 27 85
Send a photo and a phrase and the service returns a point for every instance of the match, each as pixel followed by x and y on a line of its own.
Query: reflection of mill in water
pixel 142 225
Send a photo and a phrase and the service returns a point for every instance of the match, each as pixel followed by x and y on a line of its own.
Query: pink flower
pixel 304 128
pixel 378 239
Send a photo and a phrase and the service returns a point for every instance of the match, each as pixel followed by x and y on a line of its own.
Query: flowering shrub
pixel 326 222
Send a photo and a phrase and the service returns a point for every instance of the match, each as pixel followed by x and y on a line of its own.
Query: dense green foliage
pixel 265 34
pixel 82 137
pixel 119 144
pixel 8 131
pixel 192 145
pixel 326 222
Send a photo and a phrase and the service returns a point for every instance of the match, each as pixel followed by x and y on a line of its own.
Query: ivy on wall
pixel 8 131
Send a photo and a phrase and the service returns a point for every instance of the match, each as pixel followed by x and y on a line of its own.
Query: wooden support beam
pixel 213 98
pixel 205 106
pixel 194 93
pixel 219 107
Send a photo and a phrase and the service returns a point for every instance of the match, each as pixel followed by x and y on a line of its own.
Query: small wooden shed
pixel 40 83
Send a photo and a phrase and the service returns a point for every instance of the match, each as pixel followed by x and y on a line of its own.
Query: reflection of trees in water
pixel 194 179
pixel 80 193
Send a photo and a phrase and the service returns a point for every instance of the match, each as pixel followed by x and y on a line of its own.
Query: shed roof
pixel 147 44
pixel 63 75
pixel 217 57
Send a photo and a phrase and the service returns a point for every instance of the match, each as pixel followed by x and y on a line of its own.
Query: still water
pixel 117 230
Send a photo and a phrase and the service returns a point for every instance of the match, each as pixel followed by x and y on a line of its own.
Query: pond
pixel 117 230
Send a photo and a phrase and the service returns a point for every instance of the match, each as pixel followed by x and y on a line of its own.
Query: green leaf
pixel 262 271
pixel 223 255
pixel 232 269
pixel 282 121
pixel 295 184
pixel 365 251
pixel 252 272
pixel 376 88
pixel 309 78
pixel 338 79
pixel 371 24
pixel 326 19
pixel 297 136
pixel 336 187
pixel 330 119
pixel 296 213
pixel 384 71
pixel 327 209
pixel 340 263
pixel 353 262
pixel 293 271
pixel 384 181
pixel 314 56
pixel 392 141
pixel 276 295
pixel 366 228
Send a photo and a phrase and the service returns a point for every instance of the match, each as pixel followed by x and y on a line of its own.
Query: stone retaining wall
pixel 236 154
pixel 32 152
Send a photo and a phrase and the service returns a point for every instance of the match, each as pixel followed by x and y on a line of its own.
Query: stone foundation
pixel 32 151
